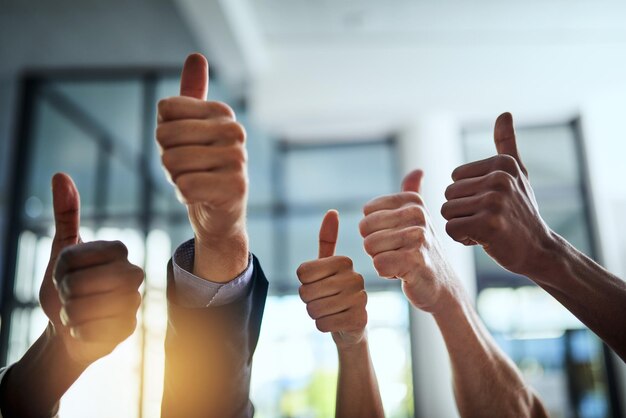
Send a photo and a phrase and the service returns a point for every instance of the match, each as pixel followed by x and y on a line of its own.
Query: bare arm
pixel 357 387
pixel 401 241
pixel 486 382
pixel 491 203
pixel 586 289
pixel 335 297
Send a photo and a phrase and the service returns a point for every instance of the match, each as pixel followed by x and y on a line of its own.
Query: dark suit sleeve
pixel 208 354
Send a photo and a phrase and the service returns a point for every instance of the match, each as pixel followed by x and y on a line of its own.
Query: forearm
pixel 591 293
pixel 486 382
pixel 35 384
pixel 357 387
pixel 221 259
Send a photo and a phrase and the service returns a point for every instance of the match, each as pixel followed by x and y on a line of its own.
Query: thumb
pixel 66 203
pixel 328 234
pixel 413 181
pixel 504 137
pixel 194 81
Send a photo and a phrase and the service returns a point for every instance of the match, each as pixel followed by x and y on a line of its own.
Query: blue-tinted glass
pixel 364 172
pixel 302 244
pixel 58 145
pixel 115 106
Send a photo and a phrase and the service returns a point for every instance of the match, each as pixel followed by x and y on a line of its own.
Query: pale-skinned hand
pixel 203 153
pixel 400 239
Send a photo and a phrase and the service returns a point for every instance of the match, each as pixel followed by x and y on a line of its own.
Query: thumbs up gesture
pixel 492 204
pixel 399 238
pixel 90 290
pixel 203 154
pixel 333 292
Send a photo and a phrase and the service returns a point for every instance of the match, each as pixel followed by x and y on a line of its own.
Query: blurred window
pixel 558 355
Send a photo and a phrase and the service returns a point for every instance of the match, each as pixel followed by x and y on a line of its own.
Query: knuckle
pixel 237 132
pixel 494 223
pixel 414 197
pixel 136 301
pixel 169 160
pixel 449 191
pixel 303 292
pixel 382 266
pixel 500 180
pixel 184 184
pixel 71 309
pixel 221 109
pixel 161 133
pixel 239 184
pixel 506 163
pixel 359 281
pixel 364 226
pixel 369 244
pixel 493 201
pixel 414 214
pixel 361 320
pixel 312 310
pixel 344 262
pixel 118 247
pixel 164 106
pixel 362 298
pixel 414 235
pixel 302 270
pixel 322 326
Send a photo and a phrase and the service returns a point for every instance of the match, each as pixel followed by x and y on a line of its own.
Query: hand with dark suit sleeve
pixel 90 295
pixel 335 298
pixel 491 203
pixel 209 348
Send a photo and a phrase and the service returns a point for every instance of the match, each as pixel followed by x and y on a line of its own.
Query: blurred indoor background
pixel 340 99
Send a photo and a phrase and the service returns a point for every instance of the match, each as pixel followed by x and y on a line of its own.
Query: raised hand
pixel 333 292
pixel 492 204
pixel 203 153
pixel 90 290
pixel 399 238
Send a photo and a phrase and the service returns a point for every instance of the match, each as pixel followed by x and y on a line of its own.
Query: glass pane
pixel 115 106
pixel 538 148
pixel 301 245
pixel 295 365
pixel 58 145
pixel 124 192
pixel 338 174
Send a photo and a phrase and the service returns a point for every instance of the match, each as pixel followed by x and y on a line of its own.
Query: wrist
pixel 221 258
pixel 35 384
pixel 350 348
pixel 552 260
pixel 56 349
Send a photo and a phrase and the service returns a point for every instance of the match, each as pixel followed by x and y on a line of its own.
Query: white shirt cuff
pixel 195 292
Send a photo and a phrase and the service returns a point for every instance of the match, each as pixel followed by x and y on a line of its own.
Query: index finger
pixel 89 254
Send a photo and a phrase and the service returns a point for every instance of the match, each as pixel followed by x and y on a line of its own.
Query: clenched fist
pixel 333 292
pixel 492 204
pixel 399 238
pixel 90 290
pixel 203 153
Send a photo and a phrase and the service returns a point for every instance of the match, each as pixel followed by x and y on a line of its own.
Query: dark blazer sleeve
pixel 208 354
